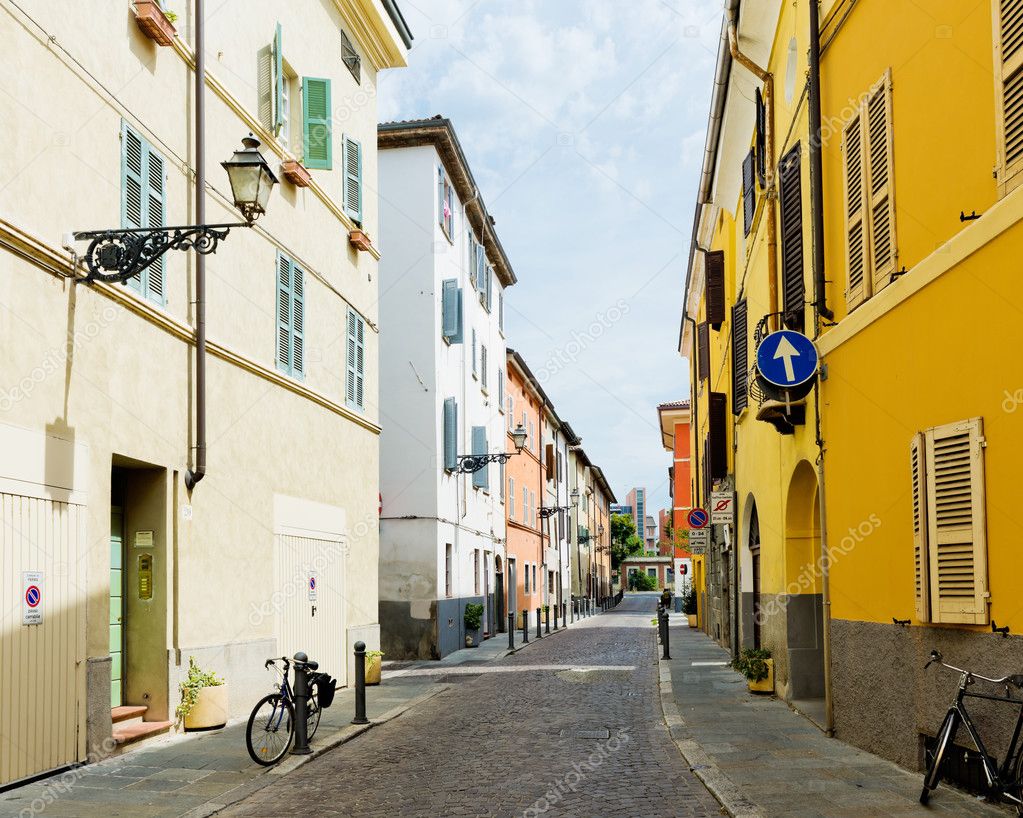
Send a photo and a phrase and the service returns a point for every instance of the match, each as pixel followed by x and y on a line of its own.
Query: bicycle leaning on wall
pixel 1005 782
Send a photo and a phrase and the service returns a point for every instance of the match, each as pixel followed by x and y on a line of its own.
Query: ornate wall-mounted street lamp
pixel 550 511
pixel 118 255
pixel 469 463
pixel 585 538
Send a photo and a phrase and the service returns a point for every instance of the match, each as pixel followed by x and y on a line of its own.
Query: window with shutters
pixel 483 367
pixel 475 370
pixel 760 140
pixel 871 249
pixel 511 498
pixel 525 574
pixel 317 124
pixel 500 312
pixel 740 357
pixel 290 317
pixel 717 435
pixel 749 191
pixel 525 505
pixel 445 204
pixel 703 351
pixel 474 259
pixel 714 268
pixel 481 477
pixel 350 57
pixel 144 203
pixel 355 375
pixel 791 205
pixel 277 87
pixel 451 311
pixel 500 390
pixel 1009 76
pixel 450 434
pixel 476 571
pixel 949 524
pixel 351 186
pixel 447 570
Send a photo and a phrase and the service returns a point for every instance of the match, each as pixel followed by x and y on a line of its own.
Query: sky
pixel 583 122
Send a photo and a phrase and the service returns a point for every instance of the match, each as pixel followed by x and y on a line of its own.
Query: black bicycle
pixel 1005 782
pixel 271 727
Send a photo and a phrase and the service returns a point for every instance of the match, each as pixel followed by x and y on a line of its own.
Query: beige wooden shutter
pixel 956 525
pixel 918 468
pixel 857 259
pixel 881 195
pixel 1009 88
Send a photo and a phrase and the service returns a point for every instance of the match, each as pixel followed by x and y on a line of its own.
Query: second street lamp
pixel 469 463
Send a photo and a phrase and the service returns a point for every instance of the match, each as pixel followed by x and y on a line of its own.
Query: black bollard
pixel 666 638
pixel 511 631
pixel 301 747
pixel 360 684
pixel 564 615
pixel 546 618
pixel 539 630
pixel 525 626
pixel 556 616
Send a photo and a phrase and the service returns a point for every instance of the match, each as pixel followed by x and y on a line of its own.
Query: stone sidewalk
pixel 198 774
pixel 763 759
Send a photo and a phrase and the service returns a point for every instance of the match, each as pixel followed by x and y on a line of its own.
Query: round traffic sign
pixel 312 583
pixel 787 358
pixel 33 596
pixel 698 518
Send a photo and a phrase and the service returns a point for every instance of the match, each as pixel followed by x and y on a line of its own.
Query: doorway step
pixel 130 724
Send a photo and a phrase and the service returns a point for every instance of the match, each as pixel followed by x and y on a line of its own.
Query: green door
pixel 116 605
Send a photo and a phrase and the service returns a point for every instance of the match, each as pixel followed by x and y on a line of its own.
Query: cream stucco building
pixel 133 571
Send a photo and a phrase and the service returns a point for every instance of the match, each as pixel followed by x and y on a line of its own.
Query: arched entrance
pixel 804 604
pixel 750 575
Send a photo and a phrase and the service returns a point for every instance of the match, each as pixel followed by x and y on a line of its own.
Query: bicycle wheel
pixel 1017 788
pixel 946 736
pixel 270 730
pixel 313 717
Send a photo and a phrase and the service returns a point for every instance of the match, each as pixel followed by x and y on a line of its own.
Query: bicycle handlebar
pixel 937 659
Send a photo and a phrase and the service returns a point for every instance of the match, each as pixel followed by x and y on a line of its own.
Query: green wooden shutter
pixel 156 208
pixel 133 198
pixel 283 313
pixel 265 86
pixel 352 184
pixel 350 361
pixel 278 83
pixel 450 434
pixel 355 362
pixel 316 123
pixel 297 321
pixel 480 479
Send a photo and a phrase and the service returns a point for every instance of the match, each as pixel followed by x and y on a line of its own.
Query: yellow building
pixel 876 516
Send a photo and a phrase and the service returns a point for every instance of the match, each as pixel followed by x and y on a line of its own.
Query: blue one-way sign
pixel 787 358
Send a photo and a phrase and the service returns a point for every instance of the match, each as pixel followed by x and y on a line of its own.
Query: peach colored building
pixel 674 420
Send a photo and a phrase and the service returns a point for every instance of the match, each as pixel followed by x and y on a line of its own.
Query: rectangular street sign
pixel 699 539
pixel 722 508
pixel 31 597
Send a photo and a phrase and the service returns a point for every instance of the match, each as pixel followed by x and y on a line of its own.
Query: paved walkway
pixel 572 726
pixel 772 761
pixel 198 774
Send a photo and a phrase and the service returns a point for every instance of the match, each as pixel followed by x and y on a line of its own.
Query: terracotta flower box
pixel 359 240
pixel 153 22
pixel 295 172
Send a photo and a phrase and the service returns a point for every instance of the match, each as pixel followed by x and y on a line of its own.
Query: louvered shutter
pixel 749 191
pixel 488 278
pixel 480 479
pixel 474 369
pixel 883 250
pixel 265 87
pixel 316 123
pixel 450 434
pixel 356 363
pixel 740 357
pixel 156 175
pixel 857 257
pixel 703 351
pixel 956 524
pixel 297 321
pixel 791 201
pixel 483 365
pixel 717 418
pixel 441 196
pixel 549 460
pixel 921 581
pixel 351 391
pixel 451 310
pixel 714 267
pixel 473 253
pixel 760 142
pixel 353 178
pixel 500 388
pixel 278 81
pixel 1009 65
pixel 283 313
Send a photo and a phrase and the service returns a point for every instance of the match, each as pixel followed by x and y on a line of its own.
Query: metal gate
pixel 42 666
pixel 310 604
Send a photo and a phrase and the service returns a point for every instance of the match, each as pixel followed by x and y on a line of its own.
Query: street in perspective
pixel 463 408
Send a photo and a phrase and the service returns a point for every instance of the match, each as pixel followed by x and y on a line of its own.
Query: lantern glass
pixel 251 179
pixel 519 437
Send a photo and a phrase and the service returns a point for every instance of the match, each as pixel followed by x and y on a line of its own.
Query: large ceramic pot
pixel 210 709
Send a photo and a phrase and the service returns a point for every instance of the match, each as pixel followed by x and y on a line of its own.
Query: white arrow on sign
pixel 786 352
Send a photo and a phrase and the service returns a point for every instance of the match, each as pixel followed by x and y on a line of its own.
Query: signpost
pixel 722 508
pixel 787 358
pixel 698 518
pixel 31 597
pixel 699 539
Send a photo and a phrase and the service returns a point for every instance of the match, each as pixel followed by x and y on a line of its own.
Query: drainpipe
pixel 817 166
pixel 769 165
pixel 194 475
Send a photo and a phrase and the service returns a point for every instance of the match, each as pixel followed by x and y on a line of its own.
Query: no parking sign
pixel 31 597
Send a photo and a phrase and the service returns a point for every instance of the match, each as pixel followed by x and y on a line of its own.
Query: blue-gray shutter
pixel 143 202
pixel 440 198
pixel 283 313
pixel 480 479
pixel 474 371
pixel 352 183
pixel 297 321
pixel 450 434
pixel 355 362
pixel 451 311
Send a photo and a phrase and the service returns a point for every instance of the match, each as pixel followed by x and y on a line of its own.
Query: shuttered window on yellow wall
pixel 1009 89
pixel 868 145
pixel 949 524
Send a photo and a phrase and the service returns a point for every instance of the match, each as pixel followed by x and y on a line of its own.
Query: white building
pixel 141 557
pixel 443 278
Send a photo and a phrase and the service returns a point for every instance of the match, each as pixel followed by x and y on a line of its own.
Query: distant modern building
pixel 635 500
pixel 650 527
pixel 621 508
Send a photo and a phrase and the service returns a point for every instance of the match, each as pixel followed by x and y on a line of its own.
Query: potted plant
pixel 690 608
pixel 154 22
pixel 473 618
pixel 374 659
pixel 757 666
pixel 203 699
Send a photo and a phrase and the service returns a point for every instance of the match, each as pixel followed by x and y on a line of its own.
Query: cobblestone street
pixel 570 727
